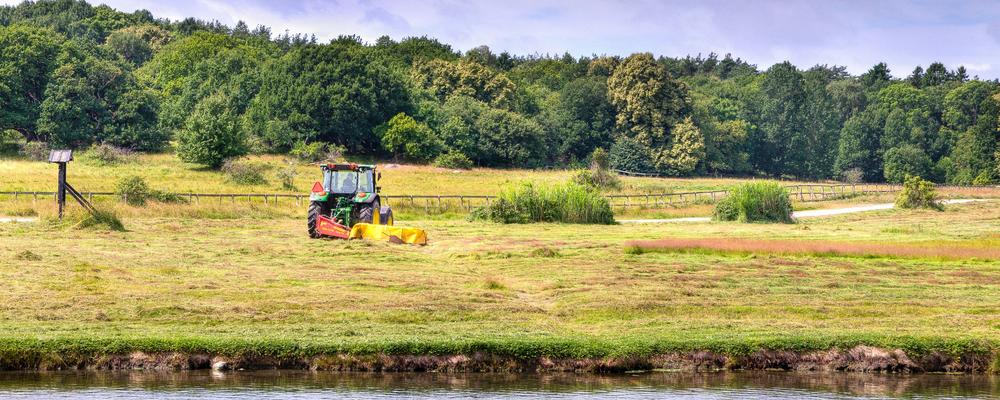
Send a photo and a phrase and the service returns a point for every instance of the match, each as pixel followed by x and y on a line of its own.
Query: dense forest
pixel 76 75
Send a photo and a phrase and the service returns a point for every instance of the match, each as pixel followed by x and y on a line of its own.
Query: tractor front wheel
pixel 315 208
pixel 367 212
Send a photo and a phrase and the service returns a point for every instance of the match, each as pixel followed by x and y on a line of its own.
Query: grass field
pixel 242 285
pixel 230 277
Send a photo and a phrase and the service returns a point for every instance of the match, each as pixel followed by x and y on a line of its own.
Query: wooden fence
pixel 463 203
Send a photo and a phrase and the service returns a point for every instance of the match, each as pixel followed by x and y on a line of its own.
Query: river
pixel 322 385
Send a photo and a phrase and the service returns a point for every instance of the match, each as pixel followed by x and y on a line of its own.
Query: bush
pixel 599 176
pixel 755 202
pixel 904 161
pixel 453 159
pixel 853 175
pixel 287 176
pixel 244 173
pixel 11 141
pixel 36 151
pixel 629 155
pixel 918 193
pixel 133 190
pixel 569 203
pixel 106 154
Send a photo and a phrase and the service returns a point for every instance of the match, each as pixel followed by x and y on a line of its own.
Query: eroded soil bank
pixel 857 359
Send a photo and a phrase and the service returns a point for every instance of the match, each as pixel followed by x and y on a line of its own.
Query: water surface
pixel 323 385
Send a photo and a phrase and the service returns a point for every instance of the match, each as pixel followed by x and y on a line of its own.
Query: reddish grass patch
pixel 815 247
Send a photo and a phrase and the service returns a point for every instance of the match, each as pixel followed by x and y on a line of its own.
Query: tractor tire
pixel 385 217
pixel 315 209
pixel 367 213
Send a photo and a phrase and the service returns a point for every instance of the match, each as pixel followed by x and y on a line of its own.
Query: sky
pixel 855 34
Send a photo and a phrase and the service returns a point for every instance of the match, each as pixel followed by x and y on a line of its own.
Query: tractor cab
pixel 351 180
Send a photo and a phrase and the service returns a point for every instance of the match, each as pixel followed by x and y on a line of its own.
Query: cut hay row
pixel 990 251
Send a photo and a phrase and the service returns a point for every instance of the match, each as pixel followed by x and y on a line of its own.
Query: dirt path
pixel 797 214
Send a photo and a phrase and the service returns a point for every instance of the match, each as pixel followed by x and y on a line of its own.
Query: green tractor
pixel 347 196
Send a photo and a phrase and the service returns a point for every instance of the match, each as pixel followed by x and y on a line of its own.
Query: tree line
pixel 75 75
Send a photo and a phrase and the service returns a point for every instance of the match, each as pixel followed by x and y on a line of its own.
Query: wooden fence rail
pixel 463 203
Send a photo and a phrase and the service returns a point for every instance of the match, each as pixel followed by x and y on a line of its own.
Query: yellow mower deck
pixel 389 232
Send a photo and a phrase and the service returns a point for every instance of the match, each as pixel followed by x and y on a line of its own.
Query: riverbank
pixel 551 356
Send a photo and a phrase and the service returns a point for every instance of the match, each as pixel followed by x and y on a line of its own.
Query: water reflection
pixel 301 384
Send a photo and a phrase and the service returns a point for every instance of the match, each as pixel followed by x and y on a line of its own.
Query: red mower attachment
pixel 329 227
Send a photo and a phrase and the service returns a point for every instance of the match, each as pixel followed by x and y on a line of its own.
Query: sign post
pixel 61 157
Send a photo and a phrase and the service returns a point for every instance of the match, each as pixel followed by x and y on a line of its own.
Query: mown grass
pixel 240 286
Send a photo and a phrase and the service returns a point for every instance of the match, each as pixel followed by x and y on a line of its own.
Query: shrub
pixel 36 151
pixel 244 173
pixel 133 190
pixel 853 175
pixel 918 193
pixel 106 154
pixel 599 176
pixel 287 176
pixel 11 141
pixel 569 203
pixel 755 202
pixel 453 159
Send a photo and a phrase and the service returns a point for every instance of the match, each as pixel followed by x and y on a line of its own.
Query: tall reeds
pixel 755 202
pixel 569 203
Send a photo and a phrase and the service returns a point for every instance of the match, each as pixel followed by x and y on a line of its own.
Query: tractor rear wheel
pixel 315 208
pixel 367 212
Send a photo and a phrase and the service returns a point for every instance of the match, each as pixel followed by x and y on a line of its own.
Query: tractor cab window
pixel 342 181
pixel 366 181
